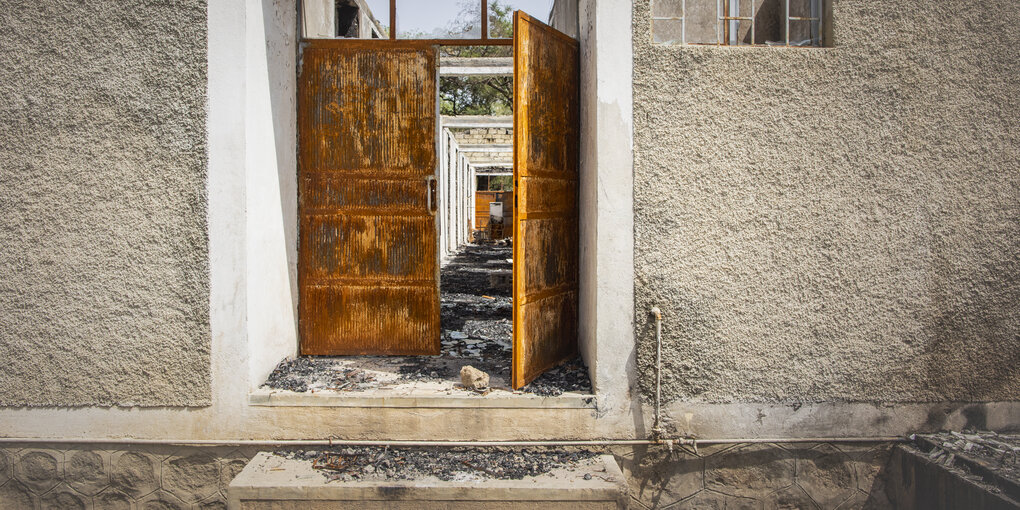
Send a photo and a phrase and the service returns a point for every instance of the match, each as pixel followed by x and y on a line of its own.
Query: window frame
pixel 726 24
pixel 484 40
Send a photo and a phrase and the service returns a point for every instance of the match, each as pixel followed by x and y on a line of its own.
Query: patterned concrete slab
pixel 270 481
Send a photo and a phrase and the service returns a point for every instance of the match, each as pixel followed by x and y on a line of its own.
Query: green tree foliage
pixel 479 95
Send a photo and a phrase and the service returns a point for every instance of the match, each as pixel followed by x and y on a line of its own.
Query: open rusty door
pixel 368 266
pixel 546 155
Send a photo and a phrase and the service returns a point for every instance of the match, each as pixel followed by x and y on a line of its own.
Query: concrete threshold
pixel 419 398
pixel 271 481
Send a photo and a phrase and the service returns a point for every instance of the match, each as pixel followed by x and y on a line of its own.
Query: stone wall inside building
pixel 485 136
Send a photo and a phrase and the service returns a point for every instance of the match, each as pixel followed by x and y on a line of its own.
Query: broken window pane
pixel 439 19
pixel 804 33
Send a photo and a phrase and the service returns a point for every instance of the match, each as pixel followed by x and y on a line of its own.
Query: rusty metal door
pixel 368 266
pixel 546 155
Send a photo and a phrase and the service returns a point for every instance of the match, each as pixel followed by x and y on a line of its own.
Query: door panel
pixel 546 156
pixel 368 263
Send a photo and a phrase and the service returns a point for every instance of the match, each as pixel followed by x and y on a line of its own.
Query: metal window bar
pixel 731 23
pixel 682 19
pixel 728 25
pixel 815 19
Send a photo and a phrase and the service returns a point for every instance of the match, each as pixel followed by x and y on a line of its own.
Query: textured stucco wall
pixel 836 224
pixel 103 248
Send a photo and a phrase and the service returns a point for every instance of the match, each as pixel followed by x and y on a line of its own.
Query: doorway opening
pixel 438 204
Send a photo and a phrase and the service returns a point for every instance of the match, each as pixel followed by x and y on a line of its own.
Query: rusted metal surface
pixel 368 268
pixel 546 156
pixel 482 201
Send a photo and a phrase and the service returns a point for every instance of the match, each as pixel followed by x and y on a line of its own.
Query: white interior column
pixel 441 193
pixel 451 210
pixel 463 202
pixel 460 198
pixel 471 188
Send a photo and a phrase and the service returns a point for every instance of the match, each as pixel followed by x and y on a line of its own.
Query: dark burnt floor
pixel 476 320
pixel 382 463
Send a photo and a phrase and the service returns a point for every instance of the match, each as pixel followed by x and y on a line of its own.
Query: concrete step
pixel 273 482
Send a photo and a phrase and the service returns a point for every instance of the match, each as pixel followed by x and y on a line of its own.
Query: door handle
pixel 430 193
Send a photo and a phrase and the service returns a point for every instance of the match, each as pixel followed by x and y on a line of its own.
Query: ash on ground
pixel 476 312
pixel 381 463
pixel 995 458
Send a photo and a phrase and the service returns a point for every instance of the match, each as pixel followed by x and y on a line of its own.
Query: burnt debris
pixel 476 316
pixel 383 463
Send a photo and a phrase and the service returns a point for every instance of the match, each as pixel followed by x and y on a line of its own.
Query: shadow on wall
pixel 750 475
pixel 283 103
pixel 973 354
pixel 680 376
pixel 767 24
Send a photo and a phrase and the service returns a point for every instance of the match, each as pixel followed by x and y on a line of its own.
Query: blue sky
pixel 428 15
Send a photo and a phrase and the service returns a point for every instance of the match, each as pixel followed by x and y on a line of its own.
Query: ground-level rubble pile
pixel 985 457
pixel 383 463
pixel 477 330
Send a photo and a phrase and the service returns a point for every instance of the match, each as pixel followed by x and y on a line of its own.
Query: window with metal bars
pixel 739 22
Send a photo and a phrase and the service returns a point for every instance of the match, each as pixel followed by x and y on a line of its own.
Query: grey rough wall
pixel 103 245
pixel 834 224
pixel 107 477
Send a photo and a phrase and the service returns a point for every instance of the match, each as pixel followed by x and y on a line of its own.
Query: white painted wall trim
pixel 271 185
pixel 606 308
pixel 448 71
pixel 477 121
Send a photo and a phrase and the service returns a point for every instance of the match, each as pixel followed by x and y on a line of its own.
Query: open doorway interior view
pixel 409 259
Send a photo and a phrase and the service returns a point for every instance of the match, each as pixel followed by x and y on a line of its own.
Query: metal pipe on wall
pixel 657 427
pixel 426 443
